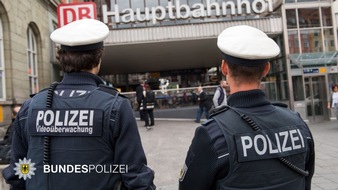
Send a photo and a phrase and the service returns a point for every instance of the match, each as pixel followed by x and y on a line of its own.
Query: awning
pixel 314 59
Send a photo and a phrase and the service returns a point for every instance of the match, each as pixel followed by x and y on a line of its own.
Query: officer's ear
pixel 266 69
pixel 224 68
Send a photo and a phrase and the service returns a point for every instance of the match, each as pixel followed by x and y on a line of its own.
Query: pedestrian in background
pixel 333 103
pixel 78 122
pixel 139 96
pixel 251 143
pixel 204 106
pixel 194 97
pixel 6 143
pixel 147 106
pixel 220 95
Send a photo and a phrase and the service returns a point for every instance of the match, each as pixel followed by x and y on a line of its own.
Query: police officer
pixel 251 143
pixel 78 134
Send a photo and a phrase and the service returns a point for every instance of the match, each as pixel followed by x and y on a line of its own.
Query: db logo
pixel 75 11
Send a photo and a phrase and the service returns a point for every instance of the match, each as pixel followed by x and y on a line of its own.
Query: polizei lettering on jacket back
pixel 66 122
pixel 272 143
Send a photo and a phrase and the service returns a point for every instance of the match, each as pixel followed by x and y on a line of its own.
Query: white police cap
pixel 246 45
pixel 81 35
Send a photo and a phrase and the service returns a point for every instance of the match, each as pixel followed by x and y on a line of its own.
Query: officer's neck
pixel 94 70
pixel 243 87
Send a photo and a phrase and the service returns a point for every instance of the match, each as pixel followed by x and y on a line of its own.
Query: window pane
pixel 36 89
pixel 311 41
pixel 291 18
pixel 293 42
pixel 30 85
pixel 28 40
pixel 308 17
pixel 1 87
pixel 2 64
pixel 298 90
pixel 123 4
pixel 326 16
pixel 33 45
pixel 151 3
pixel 328 42
pixel 29 63
pixel 32 62
pixel 137 4
pixel 1 48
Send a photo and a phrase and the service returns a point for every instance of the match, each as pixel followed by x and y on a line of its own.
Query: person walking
pixel 204 106
pixel 78 133
pixel 147 106
pixel 250 143
pixel 220 95
pixel 333 103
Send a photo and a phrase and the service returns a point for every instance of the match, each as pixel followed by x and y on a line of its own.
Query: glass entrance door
pixel 315 91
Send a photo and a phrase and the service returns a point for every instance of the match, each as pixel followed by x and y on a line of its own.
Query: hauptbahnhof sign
pixel 176 10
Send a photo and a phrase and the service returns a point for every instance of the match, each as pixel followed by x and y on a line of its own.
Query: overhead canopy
pixel 160 56
pixel 314 59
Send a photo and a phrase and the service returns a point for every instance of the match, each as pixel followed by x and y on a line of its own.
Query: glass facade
pixel 311 37
pixel 313 56
pixel 310 30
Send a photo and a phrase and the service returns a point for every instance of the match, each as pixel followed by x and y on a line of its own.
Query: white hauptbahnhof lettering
pixel 183 11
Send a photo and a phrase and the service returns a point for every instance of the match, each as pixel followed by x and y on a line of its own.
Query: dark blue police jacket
pixel 228 152
pixel 254 155
pixel 94 143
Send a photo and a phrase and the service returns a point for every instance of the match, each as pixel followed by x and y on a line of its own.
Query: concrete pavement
pixel 326 144
pixel 166 146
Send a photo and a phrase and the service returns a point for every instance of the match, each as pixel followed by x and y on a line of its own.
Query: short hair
pixel 75 61
pixel 333 86
pixel 244 74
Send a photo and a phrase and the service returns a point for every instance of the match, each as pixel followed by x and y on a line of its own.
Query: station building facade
pixel 175 40
pixel 25 51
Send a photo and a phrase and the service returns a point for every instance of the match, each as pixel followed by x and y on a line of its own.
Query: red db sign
pixel 75 11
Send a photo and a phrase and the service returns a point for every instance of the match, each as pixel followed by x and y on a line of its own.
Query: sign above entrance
pixel 176 10
pixel 68 13
pixel 307 71
pixel 314 70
